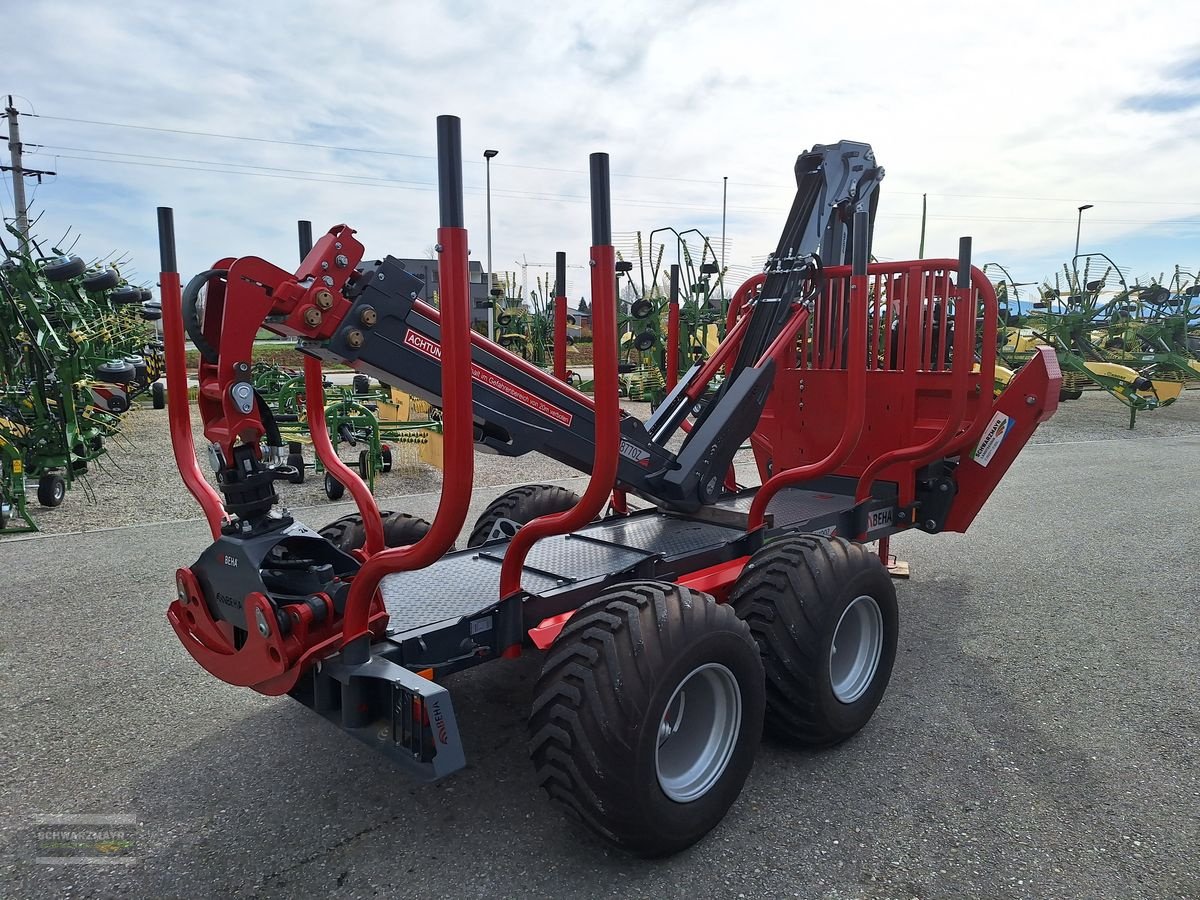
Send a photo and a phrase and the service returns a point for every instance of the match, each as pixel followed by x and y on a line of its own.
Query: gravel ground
pixel 1040 737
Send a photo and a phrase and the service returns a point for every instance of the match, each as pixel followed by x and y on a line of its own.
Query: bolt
pixel 368 316
pixel 328 279
pixel 337 245
pixel 591 262
pixel 1030 399
pixel 312 317
pixel 381 276
pixel 354 338
pixel 341 261
pixel 323 299
pixel 412 296
pixel 241 367
pixel 943 487
pixel 437 248
pixel 930 524
pixel 263 628
pixel 324 266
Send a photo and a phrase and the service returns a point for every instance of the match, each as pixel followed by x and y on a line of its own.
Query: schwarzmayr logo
pixel 86 840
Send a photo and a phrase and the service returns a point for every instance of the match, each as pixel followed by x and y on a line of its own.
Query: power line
pixel 775 186
pixel 202 165
pixel 378 181
pixel 542 196
pixel 213 162
pixel 233 137
pixel 377 152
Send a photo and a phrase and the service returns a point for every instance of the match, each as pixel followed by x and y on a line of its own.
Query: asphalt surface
pixel 1040 737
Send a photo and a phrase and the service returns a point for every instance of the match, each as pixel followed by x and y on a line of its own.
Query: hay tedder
pixel 672 634
pixel 76 348
pixel 374 424
pixel 1130 342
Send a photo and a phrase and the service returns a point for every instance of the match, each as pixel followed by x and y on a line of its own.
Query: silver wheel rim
pixel 697 732
pixel 857 646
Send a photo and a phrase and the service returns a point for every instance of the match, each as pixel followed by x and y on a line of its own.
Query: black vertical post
pixel 304 227
pixel 450 185
pixel 674 295
pixel 964 263
pixel 166 240
pixel 601 201
pixel 560 274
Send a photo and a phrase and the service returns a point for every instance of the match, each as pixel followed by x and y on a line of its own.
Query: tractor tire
pixel 296 461
pixel 334 489
pixel 510 511
pixel 118 403
pixel 150 314
pixel 147 295
pixel 364 464
pixel 1065 395
pixel 115 371
pixel 361 384
pixel 125 296
pixel 101 281
pixel 51 490
pixel 64 270
pixel 798 594
pixel 158 395
pixel 647 714
pixel 386 454
pixel 399 530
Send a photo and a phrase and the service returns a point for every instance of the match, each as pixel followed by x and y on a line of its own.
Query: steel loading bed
pixel 648 543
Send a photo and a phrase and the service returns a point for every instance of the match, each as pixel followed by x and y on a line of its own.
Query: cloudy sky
pixel 1008 115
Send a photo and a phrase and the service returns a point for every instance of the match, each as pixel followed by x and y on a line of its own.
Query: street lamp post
pixel 491 310
pixel 1079 225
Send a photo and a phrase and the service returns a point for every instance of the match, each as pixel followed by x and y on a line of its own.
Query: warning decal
pixel 433 350
pixel 993 436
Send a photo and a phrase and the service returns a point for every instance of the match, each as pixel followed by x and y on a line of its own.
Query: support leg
pixel 896 568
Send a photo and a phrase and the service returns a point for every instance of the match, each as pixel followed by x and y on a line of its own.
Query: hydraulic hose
pixel 191 315
pixel 274 438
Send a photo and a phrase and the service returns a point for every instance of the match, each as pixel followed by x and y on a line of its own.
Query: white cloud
pixel 1008 115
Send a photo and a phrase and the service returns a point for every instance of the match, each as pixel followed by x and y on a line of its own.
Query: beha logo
pixel 440 721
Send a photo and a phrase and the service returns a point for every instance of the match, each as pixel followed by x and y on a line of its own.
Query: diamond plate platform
pixel 457 585
pixel 464 582
pixel 792 506
pixel 574 558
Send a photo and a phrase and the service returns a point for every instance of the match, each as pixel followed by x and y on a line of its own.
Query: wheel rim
pixel 697 732
pixel 857 646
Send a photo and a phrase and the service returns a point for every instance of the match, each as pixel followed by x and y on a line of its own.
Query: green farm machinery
pixel 372 422
pixel 1129 341
pixel 78 346
pixel 671 317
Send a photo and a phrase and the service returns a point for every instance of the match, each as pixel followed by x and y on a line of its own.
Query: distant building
pixel 427 271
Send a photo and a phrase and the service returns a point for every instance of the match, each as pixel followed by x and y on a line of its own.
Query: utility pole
pixel 724 198
pixel 924 210
pixel 488 155
pixel 1079 225
pixel 18 173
